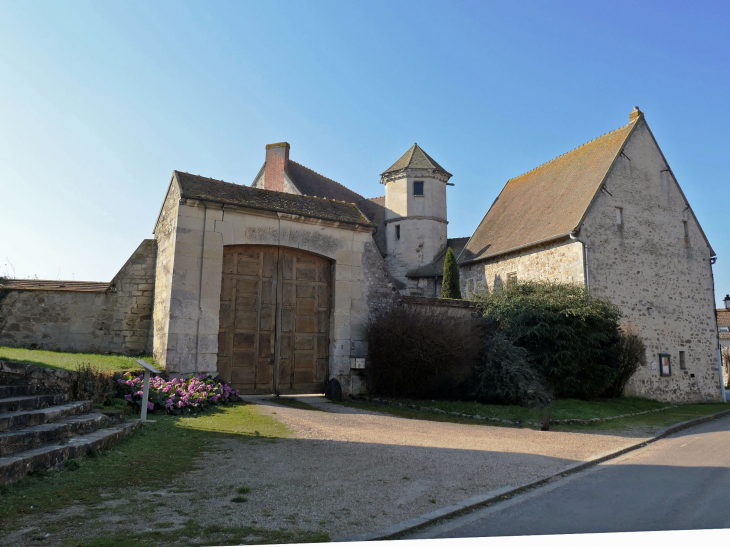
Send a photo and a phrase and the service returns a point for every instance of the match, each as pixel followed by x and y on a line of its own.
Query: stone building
pixel 271 285
pixel 611 216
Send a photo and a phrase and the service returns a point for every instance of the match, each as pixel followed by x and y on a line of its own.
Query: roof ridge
pixel 324 177
pixel 572 150
pixel 371 199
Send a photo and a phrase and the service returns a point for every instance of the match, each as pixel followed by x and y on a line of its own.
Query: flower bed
pixel 177 395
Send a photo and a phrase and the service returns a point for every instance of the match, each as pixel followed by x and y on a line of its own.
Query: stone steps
pixel 29 418
pixel 12 442
pixel 15 467
pixel 14 391
pixel 41 431
pixel 32 402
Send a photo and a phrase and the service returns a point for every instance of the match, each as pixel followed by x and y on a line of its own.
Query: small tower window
pixel 418 188
pixel 686 229
pixel 682 361
pixel 620 216
pixel 397 231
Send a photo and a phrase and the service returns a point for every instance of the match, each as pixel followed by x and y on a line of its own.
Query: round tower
pixel 415 212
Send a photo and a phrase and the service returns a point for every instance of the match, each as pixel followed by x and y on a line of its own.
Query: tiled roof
pixel 436 268
pixel 206 189
pixel 723 320
pixel 44 285
pixel 374 209
pixel 415 158
pixel 311 183
pixel 547 202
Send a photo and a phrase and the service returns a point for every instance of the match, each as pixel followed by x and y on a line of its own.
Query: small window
pixel 686 229
pixel 665 365
pixel 724 329
pixel 682 361
pixel 418 188
pixel 620 216
pixel 397 231
pixel 511 278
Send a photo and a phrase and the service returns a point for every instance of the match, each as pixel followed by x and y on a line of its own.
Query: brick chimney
pixel 277 159
pixel 635 113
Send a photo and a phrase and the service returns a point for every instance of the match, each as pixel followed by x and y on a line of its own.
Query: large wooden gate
pixel 274 320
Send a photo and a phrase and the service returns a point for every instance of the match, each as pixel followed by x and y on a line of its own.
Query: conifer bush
pixel 450 287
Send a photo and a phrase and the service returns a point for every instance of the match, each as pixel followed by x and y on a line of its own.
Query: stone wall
pixel 114 321
pixel 462 309
pixel 561 262
pixel 661 279
pixel 165 235
pixel 40 379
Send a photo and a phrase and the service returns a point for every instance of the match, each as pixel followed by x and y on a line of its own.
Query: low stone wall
pixel 462 309
pixel 115 320
pixel 40 380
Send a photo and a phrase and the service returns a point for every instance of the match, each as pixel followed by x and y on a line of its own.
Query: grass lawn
pixel 69 361
pixel 561 410
pixel 151 458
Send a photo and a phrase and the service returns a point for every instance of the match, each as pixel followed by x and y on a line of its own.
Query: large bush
pixel 569 334
pixel 630 350
pixel 420 353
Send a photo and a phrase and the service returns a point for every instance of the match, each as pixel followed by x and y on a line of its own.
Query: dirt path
pixel 343 472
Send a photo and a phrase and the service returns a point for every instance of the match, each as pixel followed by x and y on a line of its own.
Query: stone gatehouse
pixel 271 285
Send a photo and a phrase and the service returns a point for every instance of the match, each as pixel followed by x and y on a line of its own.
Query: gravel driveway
pixel 349 471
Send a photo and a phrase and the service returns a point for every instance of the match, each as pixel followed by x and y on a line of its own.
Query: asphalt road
pixel 678 483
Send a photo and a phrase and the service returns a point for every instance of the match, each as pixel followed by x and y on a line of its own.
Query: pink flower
pixel 150 406
pixel 128 397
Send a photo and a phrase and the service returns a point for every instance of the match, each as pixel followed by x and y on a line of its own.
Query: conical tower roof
pixel 416 158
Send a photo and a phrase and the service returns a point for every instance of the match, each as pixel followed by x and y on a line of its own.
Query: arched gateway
pixel 274 319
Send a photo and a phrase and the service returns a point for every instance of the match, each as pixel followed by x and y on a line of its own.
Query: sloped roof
pixel 723 320
pixel 48 285
pixel 207 189
pixel 374 209
pixel 415 158
pixel 311 183
pixel 436 268
pixel 549 201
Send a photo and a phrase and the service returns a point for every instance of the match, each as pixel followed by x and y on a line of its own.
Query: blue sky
pixel 100 101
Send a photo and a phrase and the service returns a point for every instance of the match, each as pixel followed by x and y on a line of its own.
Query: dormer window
pixel 418 188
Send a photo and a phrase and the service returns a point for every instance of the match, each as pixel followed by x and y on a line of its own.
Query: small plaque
pixel 147 366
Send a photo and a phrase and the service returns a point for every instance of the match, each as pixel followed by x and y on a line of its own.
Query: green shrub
pixel 505 375
pixel 92 383
pixel 450 287
pixel 631 352
pixel 569 334
pixel 414 353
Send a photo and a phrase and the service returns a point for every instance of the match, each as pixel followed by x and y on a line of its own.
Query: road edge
pixel 474 502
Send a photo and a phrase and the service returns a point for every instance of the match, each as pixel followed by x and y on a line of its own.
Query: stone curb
pixel 475 502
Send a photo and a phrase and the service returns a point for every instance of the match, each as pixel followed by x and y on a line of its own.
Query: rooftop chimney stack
pixel 277 160
pixel 635 113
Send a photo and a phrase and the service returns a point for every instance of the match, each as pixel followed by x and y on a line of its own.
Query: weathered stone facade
pixel 661 279
pixel 192 235
pixel 561 262
pixel 116 319
pixel 640 246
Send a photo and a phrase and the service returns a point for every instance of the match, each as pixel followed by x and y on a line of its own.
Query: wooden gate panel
pixel 274 302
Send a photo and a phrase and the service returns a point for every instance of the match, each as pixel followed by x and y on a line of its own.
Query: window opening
pixel 665 365
pixel 397 231
pixel 418 188
pixel 686 229
pixel 620 216
pixel 511 278
pixel 682 361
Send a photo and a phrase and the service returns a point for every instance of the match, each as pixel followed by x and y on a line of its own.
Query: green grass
pixel 152 457
pixel 69 361
pixel 561 410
